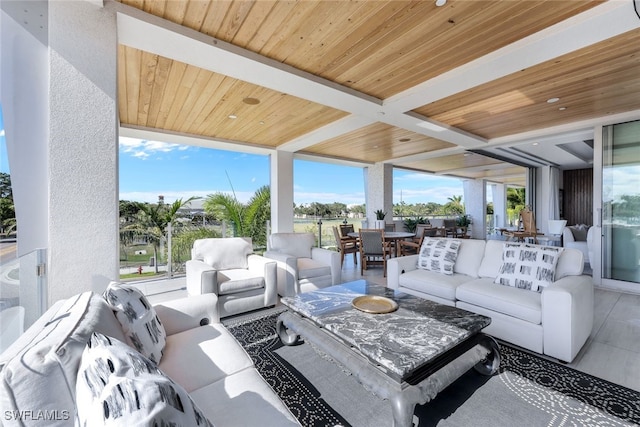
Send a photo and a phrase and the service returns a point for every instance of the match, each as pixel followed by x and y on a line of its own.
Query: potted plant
pixel 379 223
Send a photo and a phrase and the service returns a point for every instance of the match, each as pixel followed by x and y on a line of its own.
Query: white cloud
pixel 1 132
pixel 302 197
pixel 142 148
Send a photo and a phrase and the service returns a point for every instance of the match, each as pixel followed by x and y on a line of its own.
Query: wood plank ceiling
pixel 377 50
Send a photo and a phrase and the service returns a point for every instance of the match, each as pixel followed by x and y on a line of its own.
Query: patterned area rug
pixel 528 391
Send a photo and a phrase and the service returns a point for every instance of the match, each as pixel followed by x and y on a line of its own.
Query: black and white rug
pixel 529 390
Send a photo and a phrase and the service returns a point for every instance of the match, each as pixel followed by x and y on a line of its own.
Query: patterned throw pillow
pixel 117 386
pixel 438 255
pixel 528 266
pixel 138 318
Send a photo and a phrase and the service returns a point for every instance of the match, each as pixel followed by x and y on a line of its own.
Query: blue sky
pixel 148 169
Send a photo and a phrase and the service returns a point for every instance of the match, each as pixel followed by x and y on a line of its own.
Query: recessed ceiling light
pixel 562 108
pixel 251 101
pixel 552 100
pixel 261 122
pixel 535 143
pixel 232 116
pixel 441 2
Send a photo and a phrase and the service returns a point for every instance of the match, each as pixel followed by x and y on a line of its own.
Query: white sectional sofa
pixel 556 321
pixel 39 373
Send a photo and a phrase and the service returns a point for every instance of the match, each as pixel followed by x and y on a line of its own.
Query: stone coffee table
pixel 406 356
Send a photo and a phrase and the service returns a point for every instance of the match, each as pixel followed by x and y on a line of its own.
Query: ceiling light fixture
pixel 440 3
pixel 552 100
pixel 562 108
pixel 232 116
pixel 251 101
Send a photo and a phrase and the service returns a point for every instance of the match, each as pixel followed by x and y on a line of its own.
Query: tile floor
pixel 612 352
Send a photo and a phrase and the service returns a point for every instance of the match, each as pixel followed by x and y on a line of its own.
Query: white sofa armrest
pixel 567 236
pixel 188 313
pixel 268 269
pixel 567 316
pixel 397 266
pixel 287 270
pixel 331 258
pixel 201 278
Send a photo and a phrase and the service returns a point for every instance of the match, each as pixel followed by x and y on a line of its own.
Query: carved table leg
pixel 287 336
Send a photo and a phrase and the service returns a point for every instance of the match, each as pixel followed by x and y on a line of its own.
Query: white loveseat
pixel 39 372
pixel 556 321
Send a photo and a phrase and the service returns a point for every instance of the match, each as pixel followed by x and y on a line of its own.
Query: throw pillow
pixel 138 318
pixel 579 232
pixel 438 255
pixel 528 266
pixel 117 386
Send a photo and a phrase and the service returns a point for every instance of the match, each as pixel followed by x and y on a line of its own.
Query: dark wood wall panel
pixel 578 196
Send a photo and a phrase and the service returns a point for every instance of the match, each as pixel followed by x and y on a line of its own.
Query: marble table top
pixel 401 341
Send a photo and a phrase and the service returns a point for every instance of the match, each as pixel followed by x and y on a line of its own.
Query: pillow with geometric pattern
pixel 117 386
pixel 138 319
pixel 529 267
pixel 438 255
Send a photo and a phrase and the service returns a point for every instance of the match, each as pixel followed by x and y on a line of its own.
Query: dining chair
pixel 374 250
pixel 346 245
pixel 345 229
pixel 412 247
pixel 527 228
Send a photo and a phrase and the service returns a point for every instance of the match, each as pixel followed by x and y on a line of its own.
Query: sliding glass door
pixel 621 202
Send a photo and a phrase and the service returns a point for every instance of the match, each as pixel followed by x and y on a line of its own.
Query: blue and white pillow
pixel 117 386
pixel 138 318
pixel 438 255
pixel 527 266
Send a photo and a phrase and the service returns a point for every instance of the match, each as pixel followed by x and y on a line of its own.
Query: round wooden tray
pixel 374 304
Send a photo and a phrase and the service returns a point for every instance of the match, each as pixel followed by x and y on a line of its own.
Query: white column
pixel 379 188
pixel 499 197
pixel 475 203
pixel 281 192
pixel 83 148
pixel 66 165
pixel 543 205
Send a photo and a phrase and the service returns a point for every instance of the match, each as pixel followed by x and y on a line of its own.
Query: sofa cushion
pixel 296 244
pixel 141 325
pixel 212 354
pixel 570 263
pixel 529 267
pixel 492 259
pixel 117 386
pixel 508 300
pixel 433 283
pixel 438 255
pixel 238 280
pixel 242 399
pixel 309 268
pixel 223 253
pixel 39 370
pixel 470 256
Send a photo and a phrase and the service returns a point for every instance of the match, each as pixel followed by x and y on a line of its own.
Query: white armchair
pixel 575 236
pixel 227 267
pixel 301 266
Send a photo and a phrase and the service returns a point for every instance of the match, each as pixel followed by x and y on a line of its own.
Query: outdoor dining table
pixel 392 236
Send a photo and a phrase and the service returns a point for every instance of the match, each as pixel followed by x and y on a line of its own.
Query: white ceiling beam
pixel 332 130
pixel 152 34
pixel 592 26
pixel 152 134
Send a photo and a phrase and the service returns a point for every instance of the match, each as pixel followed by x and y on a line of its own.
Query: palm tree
pixel 152 221
pixel 248 220
pixel 454 205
